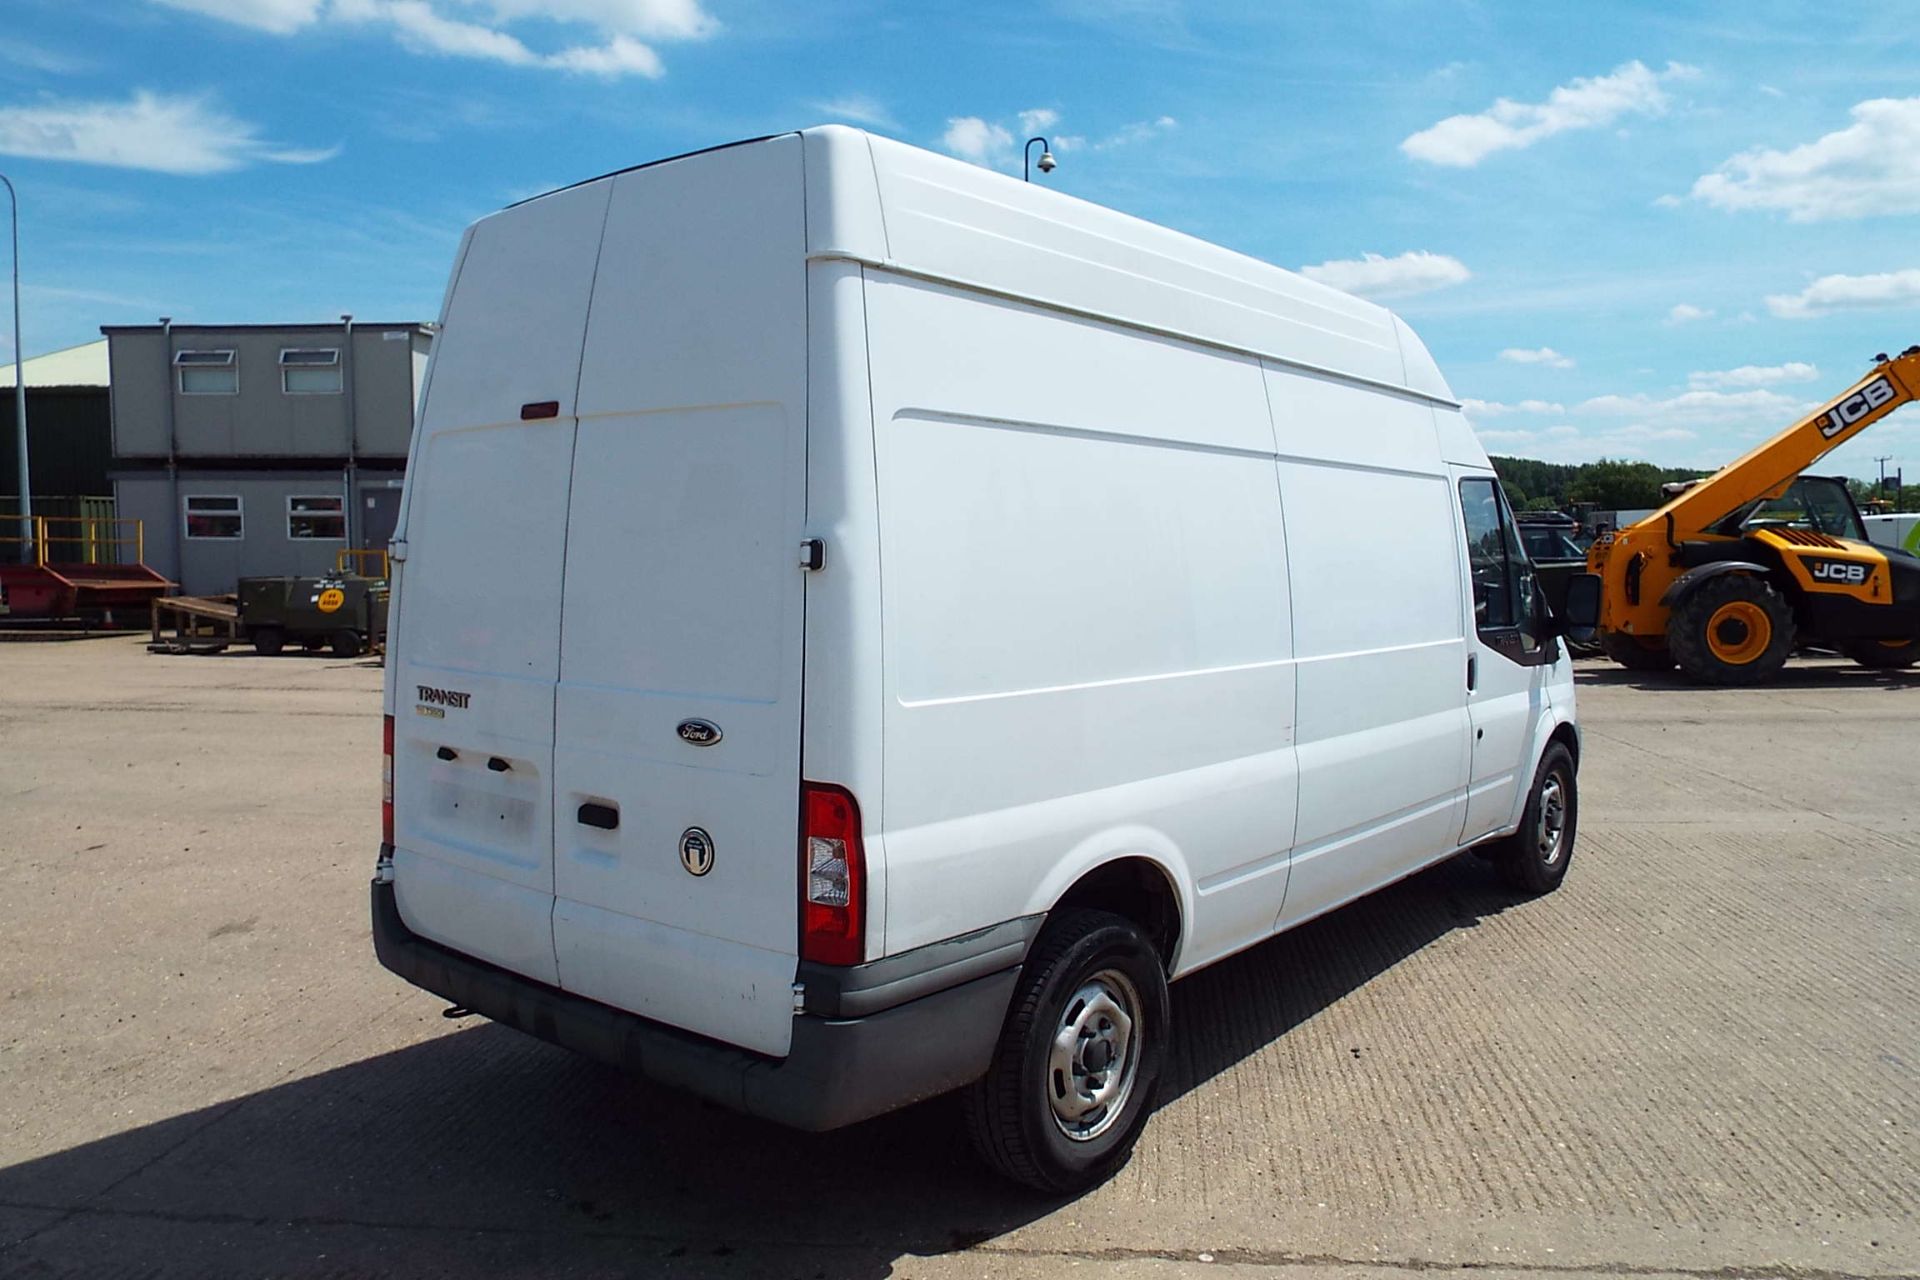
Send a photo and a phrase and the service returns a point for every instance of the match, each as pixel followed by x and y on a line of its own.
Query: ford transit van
pixel 863 625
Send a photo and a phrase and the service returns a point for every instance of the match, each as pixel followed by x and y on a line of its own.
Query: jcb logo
pixel 1855 407
pixel 1837 571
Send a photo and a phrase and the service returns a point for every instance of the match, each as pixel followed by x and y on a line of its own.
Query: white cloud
pixel 1849 293
pixel 477 29
pixel 1584 103
pixel 1686 313
pixel 1698 407
pixel 1536 355
pixel 1567 443
pixel 653 19
pixel 165 134
pixel 1752 375
pixel 1374 276
pixel 1496 409
pixel 1139 131
pixel 996 143
pixel 858 108
pixel 279 17
pixel 1038 120
pixel 972 138
pixel 622 55
pixel 36 58
pixel 1870 167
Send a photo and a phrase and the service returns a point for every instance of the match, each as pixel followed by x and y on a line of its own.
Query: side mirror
pixel 1581 616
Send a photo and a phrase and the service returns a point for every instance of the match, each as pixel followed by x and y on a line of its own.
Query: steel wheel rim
pixel 1550 833
pixel 1739 632
pixel 1094 1056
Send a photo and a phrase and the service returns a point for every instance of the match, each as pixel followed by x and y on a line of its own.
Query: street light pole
pixel 20 388
pixel 1047 161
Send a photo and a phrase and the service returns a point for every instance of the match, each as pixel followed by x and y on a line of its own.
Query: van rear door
pixel 677 767
pixel 478 624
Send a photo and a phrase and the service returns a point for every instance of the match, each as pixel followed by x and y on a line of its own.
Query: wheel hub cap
pixel 1094 1056
pixel 1739 632
pixel 1550 837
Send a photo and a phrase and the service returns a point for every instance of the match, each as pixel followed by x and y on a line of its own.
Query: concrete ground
pixel 1699 1058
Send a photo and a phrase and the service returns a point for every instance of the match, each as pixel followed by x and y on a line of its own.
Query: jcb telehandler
pixel 1739 568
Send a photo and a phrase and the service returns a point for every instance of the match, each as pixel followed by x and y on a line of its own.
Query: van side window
pixel 1496 600
pixel 1508 609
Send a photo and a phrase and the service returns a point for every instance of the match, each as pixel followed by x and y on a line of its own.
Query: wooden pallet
pixel 199 624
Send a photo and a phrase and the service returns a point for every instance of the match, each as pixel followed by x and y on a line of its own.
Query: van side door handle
pixel 1473 671
pixel 603 816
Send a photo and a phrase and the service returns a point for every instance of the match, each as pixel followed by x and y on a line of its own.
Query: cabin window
pixel 215 517
pixel 316 516
pixel 310 371
pixel 207 373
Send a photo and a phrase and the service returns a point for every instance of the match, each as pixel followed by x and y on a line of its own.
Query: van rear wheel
pixel 1077 1069
pixel 268 640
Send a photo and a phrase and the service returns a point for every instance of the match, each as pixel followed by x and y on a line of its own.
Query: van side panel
pixel 1382 651
pixel 1088 636
pixel 684 601
pixel 478 626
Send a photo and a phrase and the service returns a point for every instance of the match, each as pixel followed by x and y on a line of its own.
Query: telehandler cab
pixel 1737 569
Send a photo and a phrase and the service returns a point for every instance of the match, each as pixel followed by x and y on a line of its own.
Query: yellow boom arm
pixel 1767 470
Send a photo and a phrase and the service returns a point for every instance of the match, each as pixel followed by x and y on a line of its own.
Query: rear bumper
pixel 839 1070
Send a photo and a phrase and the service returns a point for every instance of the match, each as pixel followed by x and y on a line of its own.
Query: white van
pixel 862 625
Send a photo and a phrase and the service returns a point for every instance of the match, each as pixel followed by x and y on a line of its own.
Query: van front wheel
pixel 1534 859
pixel 1077 1069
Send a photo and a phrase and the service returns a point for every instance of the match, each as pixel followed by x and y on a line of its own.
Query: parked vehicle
pixel 936 625
pixel 344 612
pixel 1741 567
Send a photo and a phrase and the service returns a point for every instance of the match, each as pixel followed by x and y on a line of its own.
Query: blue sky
pixel 1654 230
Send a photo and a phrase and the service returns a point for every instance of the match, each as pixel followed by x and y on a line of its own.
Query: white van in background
pixel 862 625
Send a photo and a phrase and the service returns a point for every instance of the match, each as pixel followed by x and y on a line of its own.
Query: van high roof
pixel 885 204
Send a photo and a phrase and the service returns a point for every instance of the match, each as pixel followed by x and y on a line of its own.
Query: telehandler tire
pixel 1883 655
pixel 1635 654
pixel 1732 630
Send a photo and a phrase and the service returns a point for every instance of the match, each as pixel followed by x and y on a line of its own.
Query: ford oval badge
pixel 701 733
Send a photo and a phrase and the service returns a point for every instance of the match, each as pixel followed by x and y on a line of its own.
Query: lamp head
pixel 1047 163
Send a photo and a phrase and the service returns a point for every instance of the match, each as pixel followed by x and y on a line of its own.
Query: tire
pixel 1732 630
pixel 1634 653
pixel 1026 1118
pixel 345 643
pixel 1534 859
pixel 1883 655
pixel 267 641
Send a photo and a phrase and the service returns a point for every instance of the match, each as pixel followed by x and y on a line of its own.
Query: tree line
pixel 1609 484
pixel 1619 485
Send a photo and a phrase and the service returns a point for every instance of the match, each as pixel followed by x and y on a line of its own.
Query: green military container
pixel 342 612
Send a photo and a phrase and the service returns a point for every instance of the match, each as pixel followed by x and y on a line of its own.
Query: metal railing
pixel 355 560
pixel 74 539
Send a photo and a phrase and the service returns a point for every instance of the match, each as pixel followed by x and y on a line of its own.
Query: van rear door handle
pixel 603 816
pixel 1473 671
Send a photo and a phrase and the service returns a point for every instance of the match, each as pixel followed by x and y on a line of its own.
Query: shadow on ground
pixel 1797 674
pixel 486 1150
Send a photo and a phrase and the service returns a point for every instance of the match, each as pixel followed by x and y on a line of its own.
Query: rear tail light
pixel 833 907
pixel 386 780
